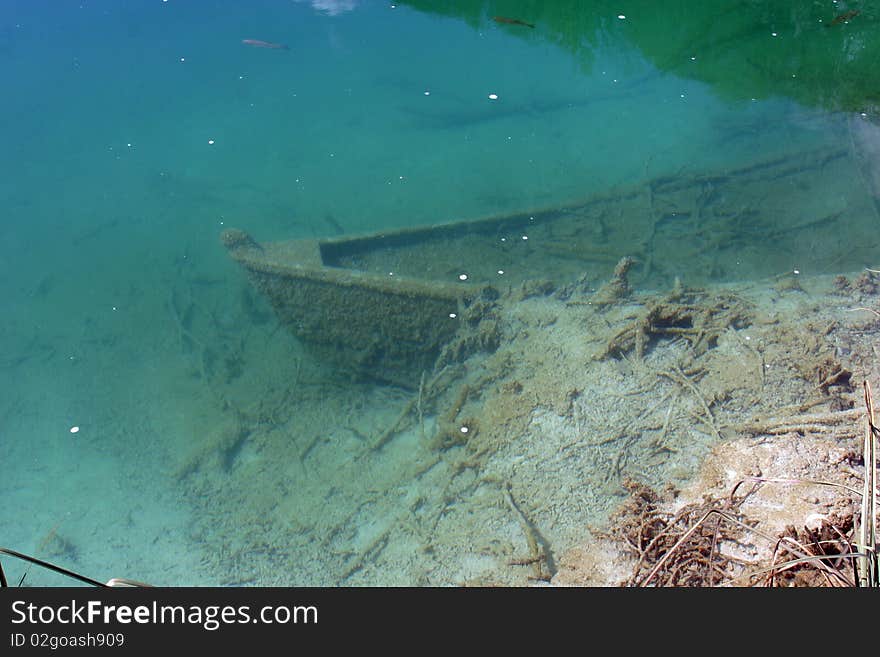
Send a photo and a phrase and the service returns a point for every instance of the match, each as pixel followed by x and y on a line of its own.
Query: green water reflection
pixel 821 54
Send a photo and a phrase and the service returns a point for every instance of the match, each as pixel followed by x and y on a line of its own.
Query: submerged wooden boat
pixel 382 306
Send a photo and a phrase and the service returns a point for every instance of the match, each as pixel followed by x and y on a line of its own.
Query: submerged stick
pixel 679 377
pixel 416 402
pixel 538 555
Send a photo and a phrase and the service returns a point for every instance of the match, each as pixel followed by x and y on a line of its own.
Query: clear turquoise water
pixel 133 133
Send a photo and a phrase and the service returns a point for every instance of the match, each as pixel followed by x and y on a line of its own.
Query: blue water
pixel 134 132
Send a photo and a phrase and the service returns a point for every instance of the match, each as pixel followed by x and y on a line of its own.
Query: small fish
pixel 843 18
pixel 512 21
pixel 256 43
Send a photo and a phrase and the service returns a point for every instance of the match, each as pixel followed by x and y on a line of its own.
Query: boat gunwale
pixel 260 261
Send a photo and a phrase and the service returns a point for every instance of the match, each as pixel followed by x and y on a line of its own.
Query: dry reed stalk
pixel 867 567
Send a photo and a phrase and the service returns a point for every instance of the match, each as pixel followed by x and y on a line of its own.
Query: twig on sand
pixel 679 377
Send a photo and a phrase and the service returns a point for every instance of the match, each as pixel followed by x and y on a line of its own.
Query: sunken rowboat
pixel 379 306
pixel 383 306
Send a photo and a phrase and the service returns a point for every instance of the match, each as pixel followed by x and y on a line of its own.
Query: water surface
pixel 134 133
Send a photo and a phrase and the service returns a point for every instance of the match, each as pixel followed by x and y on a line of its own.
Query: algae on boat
pixel 383 306
pixel 382 327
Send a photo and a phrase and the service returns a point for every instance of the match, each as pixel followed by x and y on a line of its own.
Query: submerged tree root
pixel 690 314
